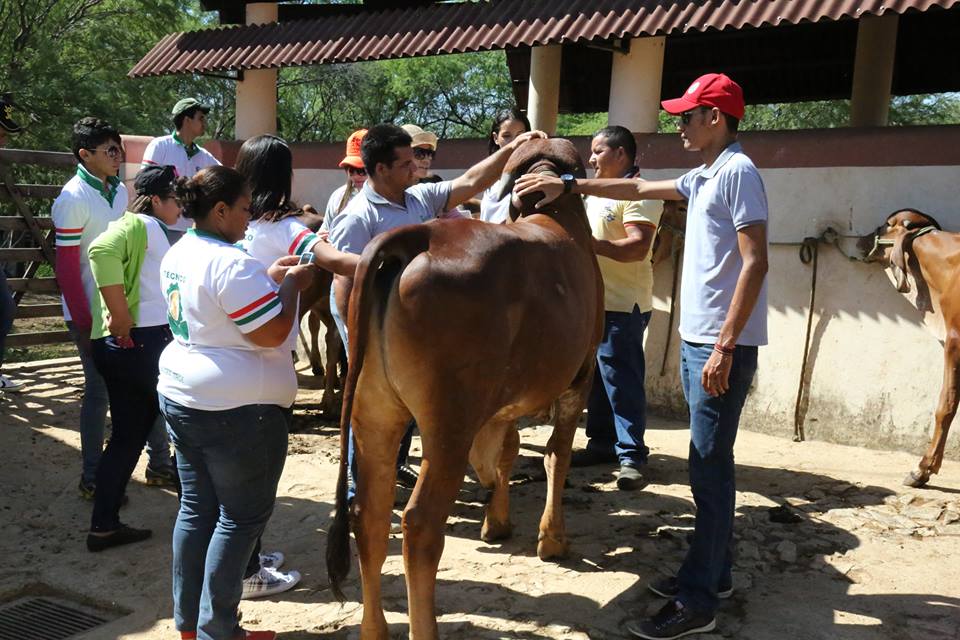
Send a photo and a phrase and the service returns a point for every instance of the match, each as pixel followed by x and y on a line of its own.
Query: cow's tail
pixel 382 262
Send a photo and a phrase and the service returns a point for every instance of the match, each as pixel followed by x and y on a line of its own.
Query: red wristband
pixel 727 351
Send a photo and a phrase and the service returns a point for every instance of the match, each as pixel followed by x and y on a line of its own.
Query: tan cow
pixel 465 326
pixel 926 265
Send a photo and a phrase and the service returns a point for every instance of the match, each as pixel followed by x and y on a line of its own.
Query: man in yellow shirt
pixel 623 232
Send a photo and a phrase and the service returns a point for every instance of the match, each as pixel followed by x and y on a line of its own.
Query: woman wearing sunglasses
pixel 424 145
pixel 352 165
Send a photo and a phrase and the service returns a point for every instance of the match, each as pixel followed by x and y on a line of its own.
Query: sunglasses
pixel 420 153
pixel 354 171
pixel 686 116
pixel 113 151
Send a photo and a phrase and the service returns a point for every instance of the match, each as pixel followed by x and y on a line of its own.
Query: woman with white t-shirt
pixel 126 341
pixel 226 387
pixel 507 125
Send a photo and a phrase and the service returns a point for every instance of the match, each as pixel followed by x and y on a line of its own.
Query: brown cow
pixel 465 326
pixel 913 246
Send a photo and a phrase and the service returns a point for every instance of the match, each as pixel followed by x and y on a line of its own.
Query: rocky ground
pixel 829 544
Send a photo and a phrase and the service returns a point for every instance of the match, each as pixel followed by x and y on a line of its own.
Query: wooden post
pixel 635 85
pixel 873 70
pixel 543 103
pixel 257 92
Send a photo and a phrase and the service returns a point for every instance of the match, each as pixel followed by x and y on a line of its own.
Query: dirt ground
pixel 868 559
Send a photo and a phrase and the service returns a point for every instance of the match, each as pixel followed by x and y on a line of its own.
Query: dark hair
pixel 189 113
pixel 211 185
pixel 513 113
pixel 380 143
pixel 267 164
pixel 619 137
pixel 144 203
pixel 732 123
pixel 90 133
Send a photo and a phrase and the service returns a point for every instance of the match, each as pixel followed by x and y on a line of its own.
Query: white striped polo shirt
pixel 216 294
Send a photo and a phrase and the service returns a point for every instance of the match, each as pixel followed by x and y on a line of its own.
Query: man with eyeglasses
pixel 180 149
pixel 723 320
pixel 90 200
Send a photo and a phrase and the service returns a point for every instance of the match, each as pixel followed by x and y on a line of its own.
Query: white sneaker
pixel 268 582
pixel 6 384
pixel 272 560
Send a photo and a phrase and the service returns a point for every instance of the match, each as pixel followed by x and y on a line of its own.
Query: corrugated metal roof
pixel 478 26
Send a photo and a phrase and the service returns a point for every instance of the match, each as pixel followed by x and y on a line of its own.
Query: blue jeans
pixel 713 431
pixel 617 406
pixel 131 379
pixel 7 312
pixel 230 464
pixel 351 448
pixel 93 409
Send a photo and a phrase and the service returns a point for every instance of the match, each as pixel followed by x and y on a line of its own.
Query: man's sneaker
pixel 268 582
pixel 6 384
pixel 272 560
pixel 629 478
pixel 673 621
pixel 162 476
pixel 406 477
pixel 669 587
pixel 88 491
pixel 591 457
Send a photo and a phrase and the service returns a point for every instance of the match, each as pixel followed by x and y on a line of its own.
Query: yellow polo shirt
pixel 625 283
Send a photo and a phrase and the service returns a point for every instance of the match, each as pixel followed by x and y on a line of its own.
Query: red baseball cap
pixel 353 159
pixel 709 90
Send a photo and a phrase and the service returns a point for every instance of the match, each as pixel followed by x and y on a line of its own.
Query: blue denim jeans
pixel 617 406
pixel 351 448
pixel 230 464
pixel 93 409
pixel 7 311
pixel 131 379
pixel 713 431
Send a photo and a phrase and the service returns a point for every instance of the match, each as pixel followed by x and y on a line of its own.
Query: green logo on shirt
pixel 175 313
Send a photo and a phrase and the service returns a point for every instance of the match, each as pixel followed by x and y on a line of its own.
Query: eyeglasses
pixel 686 116
pixel 113 151
pixel 354 171
pixel 421 153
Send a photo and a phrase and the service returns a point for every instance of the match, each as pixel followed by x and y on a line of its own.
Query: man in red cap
pixel 723 319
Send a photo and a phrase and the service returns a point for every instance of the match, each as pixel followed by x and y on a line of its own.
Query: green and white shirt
pixel 82 212
pixel 186 159
pixel 216 294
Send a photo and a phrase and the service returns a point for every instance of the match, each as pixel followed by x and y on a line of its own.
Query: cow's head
pixel 553 156
pixel 889 244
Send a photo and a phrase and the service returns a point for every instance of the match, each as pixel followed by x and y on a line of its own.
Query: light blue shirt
pixel 723 198
pixel 369 214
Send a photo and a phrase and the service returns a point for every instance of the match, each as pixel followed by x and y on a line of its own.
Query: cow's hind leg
pixel 946 410
pixel 444 462
pixel 492 456
pixel 552 540
pixel 329 405
pixel 313 325
pixel 378 427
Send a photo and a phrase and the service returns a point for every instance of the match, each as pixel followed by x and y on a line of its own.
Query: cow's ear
pixel 898 262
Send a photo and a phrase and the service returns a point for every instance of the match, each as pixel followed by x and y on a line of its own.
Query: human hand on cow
pixel 526 137
pixel 281 265
pixel 550 186
pixel 715 377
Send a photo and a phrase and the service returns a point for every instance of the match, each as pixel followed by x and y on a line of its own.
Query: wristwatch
pixel 568 182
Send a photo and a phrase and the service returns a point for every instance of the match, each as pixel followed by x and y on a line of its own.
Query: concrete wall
pixel 874 371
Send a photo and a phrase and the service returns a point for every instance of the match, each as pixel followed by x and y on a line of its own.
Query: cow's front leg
pixel 492 456
pixel 552 541
pixel 946 410
pixel 441 476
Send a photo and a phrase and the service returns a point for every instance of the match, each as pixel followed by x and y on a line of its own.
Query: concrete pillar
pixel 257 92
pixel 635 85
pixel 873 70
pixel 543 102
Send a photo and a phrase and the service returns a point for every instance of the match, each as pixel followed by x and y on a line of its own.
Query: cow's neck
pixel 568 212
pixel 931 257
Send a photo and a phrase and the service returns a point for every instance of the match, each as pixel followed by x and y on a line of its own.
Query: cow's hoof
pixel 549 548
pixel 916 480
pixel 495 531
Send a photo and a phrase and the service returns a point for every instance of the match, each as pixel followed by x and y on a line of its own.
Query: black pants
pixel 131 378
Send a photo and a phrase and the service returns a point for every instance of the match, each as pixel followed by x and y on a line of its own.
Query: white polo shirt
pixel 216 294
pixel 369 214
pixel 187 160
pixel 723 198
pixel 81 212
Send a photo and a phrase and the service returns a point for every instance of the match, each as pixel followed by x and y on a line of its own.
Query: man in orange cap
pixel 723 319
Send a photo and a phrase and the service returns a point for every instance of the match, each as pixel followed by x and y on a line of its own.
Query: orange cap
pixel 353 159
